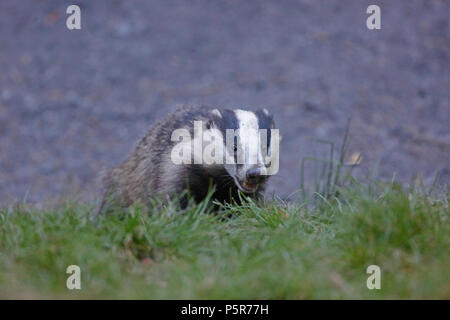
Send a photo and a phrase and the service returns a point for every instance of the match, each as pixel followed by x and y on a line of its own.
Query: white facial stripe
pixel 249 136
pixel 217 113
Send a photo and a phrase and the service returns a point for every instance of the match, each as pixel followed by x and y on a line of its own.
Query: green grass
pixel 270 251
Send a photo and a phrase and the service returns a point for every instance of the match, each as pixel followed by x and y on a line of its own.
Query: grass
pixel 318 247
pixel 274 251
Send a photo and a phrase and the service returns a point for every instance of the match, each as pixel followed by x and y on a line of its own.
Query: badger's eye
pixel 235 144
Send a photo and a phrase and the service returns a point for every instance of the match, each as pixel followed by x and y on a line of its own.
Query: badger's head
pixel 250 145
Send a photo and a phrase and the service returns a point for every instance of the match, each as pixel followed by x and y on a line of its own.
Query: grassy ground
pixel 275 251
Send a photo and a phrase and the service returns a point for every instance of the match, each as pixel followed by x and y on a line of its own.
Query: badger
pixel 154 170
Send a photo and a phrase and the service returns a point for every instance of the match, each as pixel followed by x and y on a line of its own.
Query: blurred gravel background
pixel 72 102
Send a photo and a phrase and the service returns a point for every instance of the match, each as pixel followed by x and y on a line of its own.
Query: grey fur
pixel 148 171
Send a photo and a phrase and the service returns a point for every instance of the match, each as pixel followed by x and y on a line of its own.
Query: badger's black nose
pixel 254 175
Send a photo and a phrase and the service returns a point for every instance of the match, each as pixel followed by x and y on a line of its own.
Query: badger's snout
pixel 254 175
pixel 253 178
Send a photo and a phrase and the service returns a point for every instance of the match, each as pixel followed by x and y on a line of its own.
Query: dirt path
pixel 72 102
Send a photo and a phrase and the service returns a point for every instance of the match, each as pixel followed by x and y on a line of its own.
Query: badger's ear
pixel 216 114
pixel 209 124
pixel 265 113
pixel 267 118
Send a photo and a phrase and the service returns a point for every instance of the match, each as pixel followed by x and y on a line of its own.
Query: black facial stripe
pixel 265 122
pixel 228 121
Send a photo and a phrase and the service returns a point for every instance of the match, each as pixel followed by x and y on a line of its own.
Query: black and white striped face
pixel 251 145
